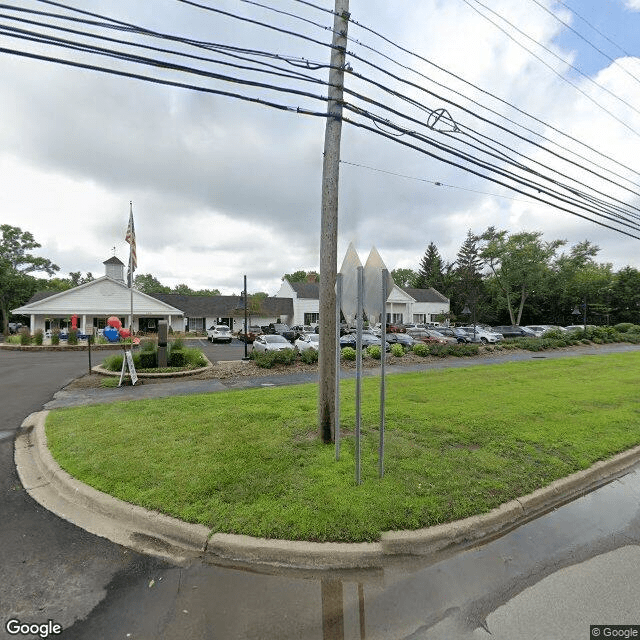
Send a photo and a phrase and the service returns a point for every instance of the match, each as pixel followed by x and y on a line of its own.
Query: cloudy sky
pixel 223 187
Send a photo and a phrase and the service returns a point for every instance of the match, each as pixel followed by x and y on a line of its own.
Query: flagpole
pixel 131 240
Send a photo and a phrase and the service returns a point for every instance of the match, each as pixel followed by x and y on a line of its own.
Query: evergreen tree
pixel 430 273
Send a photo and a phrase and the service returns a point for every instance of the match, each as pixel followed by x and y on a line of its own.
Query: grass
pixel 459 442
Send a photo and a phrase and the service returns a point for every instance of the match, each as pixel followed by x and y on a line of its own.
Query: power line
pixel 593 46
pixel 584 93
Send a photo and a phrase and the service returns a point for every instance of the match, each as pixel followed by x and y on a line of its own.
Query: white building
pixel 403 305
pixel 93 302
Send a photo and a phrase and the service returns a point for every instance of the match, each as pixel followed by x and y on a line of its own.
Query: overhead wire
pixel 557 73
pixel 476 87
pixel 576 199
pixel 585 39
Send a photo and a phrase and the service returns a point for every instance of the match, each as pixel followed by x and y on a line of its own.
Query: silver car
pixel 271 342
pixel 219 333
pixel 484 335
pixel 307 341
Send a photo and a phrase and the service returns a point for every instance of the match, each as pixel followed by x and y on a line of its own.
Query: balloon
pixel 111 334
pixel 114 322
pixel 124 333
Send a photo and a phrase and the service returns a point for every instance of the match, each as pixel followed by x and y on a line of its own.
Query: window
pixel 395 318
pixel 310 318
pixel 196 324
pixel 419 317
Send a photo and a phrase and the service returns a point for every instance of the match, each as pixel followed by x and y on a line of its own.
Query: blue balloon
pixel 111 334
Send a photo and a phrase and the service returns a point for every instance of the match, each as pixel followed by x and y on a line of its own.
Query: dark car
pixel 400 338
pixel 514 331
pixel 281 330
pixel 453 332
pixel 368 339
pixel 252 333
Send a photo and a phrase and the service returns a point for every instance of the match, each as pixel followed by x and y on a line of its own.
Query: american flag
pixel 131 239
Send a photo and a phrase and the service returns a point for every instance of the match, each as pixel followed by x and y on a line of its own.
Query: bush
pixel 25 337
pixel 148 359
pixel 625 327
pixel 55 338
pixel 38 337
pixel 421 349
pixel 194 358
pixel 309 356
pixel 267 359
pixel 397 350
pixel 73 337
pixel 113 363
pixel 374 351
pixel 348 353
pixel 177 357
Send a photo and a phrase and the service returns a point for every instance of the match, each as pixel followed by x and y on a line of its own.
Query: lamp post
pixel 576 312
pixel 467 312
pixel 246 335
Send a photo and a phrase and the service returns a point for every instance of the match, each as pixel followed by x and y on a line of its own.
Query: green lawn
pixel 458 442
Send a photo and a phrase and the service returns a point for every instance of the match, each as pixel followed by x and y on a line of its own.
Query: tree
pixel 404 277
pixel 430 273
pixel 519 263
pixel 626 295
pixel 302 276
pixel 77 279
pixel 148 284
pixel 16 263
pixel 466 276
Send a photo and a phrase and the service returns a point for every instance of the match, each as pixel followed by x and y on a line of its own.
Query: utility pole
pixel 329 227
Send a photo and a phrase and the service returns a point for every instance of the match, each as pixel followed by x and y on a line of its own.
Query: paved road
pixel 548 579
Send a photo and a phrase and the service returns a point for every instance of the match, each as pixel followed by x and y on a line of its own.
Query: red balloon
pixel 114 322
pixel 124 333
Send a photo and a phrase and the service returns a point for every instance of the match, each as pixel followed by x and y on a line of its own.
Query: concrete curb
pixel 157 534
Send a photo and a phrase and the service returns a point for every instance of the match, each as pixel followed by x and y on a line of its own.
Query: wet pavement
pixel 549 578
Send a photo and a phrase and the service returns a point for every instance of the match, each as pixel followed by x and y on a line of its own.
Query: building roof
pixel 114 260
pixel 425 295
pixel 310 290
pixel 222 306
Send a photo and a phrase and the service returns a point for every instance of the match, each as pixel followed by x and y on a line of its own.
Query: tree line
pixel 520 278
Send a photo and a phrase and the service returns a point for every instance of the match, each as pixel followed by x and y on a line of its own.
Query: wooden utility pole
pixel 329 227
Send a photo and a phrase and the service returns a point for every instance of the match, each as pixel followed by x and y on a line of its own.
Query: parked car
pixel 271 342
pixel 455 332
pixel 300 329
pixel 439 337
pixel 253 332
pixel 484 335
pixel 396 327
pixel 280 329
pixel 307 341
pixel 541 329
pixel 579 327
pixel 219 333
pixel 14 327
pixel 400 338
pixel 368 339
pixel 514 331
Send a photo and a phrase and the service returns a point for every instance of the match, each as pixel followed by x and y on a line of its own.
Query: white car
pixel 541 329
pixel 219 333
pixel 484 335
pixel 307 341
pixel 271 342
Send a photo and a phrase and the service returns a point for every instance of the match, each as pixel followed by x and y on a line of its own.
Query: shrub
pixel 624 327
pixel 73 337
pixel 267 359
pixel 421 349
pixel 113 363
pixel 309 356
pixel 348 353
pixel 25 337
pixel 177 357
pixel 194 358
pixel 178 343
pixel 55 338
pixel 374 351
pixel 38 337
pixel 397 350
pixel 463 349
pixel 148 359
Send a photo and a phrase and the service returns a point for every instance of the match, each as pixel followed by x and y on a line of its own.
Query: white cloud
pixel 222 187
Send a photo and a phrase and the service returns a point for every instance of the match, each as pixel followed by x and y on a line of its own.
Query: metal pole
pixel 383 357
pixel 359 369
pixel 245 319
pixel 337 410
pixel 329 226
